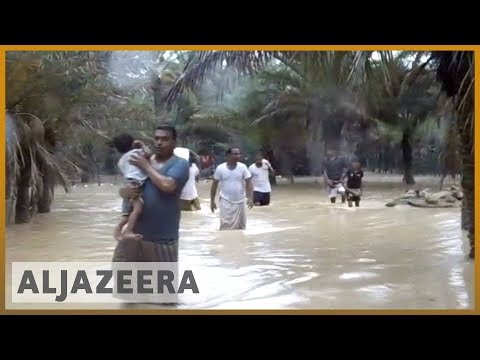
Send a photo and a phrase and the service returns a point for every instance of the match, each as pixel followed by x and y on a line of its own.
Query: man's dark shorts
pixel 261 197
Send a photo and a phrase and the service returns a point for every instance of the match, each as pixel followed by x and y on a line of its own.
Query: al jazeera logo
pixel 100 282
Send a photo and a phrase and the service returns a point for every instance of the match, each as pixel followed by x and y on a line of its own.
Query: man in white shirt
pixel 189 200
pixel 235 187
pixel 260 171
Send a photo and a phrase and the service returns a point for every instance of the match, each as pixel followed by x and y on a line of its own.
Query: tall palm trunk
pixel 9 186
pixel 286 166
pixel 449 159
pixel 468 171
pixel 22 206
pixel 456 72
pixel 46 195
pixel 9 199
pixel 158 97
pixel 407 157
pixel 84 177
pixel 11 156
pixel 10 194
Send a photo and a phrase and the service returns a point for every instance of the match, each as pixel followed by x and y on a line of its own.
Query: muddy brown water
pixel 301 252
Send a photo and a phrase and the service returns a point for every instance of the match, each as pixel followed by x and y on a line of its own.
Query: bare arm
pixel 271 170
pixel 213 193
pixel 325 176
pixel 249 186
pixel 343 179
pixel 213 190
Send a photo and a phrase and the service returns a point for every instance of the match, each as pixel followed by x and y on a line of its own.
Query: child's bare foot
pixel 131 236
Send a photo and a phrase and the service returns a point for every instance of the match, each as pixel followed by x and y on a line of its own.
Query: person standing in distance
pixel 260 170
pixel 189 200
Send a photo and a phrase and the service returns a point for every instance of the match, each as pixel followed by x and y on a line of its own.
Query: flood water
pixel 301 252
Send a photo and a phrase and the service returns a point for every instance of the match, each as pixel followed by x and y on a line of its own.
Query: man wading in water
pixel 159 221
pixel 260 170
pixel 334 168
pixel 233 177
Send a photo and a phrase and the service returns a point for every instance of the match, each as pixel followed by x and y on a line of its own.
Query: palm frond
pixel 36 182
pixel 413 75
pixel 360 68
pixel 18 159
pixel 269 115
pixel 205 62
pixel 51 165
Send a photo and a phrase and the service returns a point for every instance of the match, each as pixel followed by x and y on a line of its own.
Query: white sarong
pixel 335 190
pixel 233 214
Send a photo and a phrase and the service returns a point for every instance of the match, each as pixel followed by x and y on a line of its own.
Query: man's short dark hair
pixel 168 127
pixel 229 151
pixel 123 143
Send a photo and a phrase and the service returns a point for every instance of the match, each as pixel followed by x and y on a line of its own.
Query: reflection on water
pixel 300 252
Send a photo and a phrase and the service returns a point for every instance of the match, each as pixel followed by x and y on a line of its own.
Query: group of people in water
pixel 237 182
pixel 343 178
pixel 160 184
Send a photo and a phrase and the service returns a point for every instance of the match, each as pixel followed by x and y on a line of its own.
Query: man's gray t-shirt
pixel 160 217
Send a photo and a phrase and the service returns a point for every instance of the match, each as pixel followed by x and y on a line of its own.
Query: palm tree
pixel 55 100
pixel 304 94
pixel 405 97
pixel 454 71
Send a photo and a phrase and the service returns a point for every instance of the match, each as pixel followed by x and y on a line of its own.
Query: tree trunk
pixel 22 207
pixel 286 165
pixel 158 100
pixel 468 170
pixel 464 217
pixel 97 169
pixel 46 196
pixel 9 191
pixel 10 196
pixel 315 144
pixel 407 157
pixel 456 72
pixel 10 175
pixel 84 177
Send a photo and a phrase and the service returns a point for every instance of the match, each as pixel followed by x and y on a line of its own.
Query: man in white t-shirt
pixel 235 187
pixel 260 171
pixel 189 200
